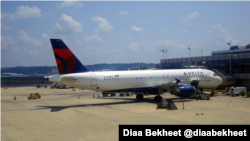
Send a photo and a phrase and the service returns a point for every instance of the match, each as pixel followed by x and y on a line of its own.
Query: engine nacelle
pixel 184 91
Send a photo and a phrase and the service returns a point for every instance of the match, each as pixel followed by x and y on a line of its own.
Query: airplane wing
pixel 170 85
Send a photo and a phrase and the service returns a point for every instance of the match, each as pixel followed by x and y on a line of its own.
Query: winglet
pixel 177 80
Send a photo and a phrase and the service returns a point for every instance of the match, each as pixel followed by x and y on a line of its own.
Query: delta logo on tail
pixel 65 59
pixel 185 73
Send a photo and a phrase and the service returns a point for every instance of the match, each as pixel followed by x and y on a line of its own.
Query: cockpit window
pixel 215 74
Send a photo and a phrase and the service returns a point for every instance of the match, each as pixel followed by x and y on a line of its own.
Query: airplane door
pixel 93 79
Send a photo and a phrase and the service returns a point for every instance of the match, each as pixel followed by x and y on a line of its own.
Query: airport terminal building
pixel 233 65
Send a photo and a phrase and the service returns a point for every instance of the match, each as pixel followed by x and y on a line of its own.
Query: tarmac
pixel 61 115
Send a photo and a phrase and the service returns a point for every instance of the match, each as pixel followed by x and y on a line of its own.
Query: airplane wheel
pixel 139 96
pixel 157 98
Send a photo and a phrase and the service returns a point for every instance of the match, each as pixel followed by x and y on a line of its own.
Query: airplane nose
pixel 219 80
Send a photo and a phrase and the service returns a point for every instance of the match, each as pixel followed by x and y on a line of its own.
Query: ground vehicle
pixel 34 96
pixel 106 94
pixel 232 91
pixel 201 96
pixel 122 94
pixel 59 86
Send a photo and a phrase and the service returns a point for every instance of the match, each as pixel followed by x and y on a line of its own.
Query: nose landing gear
pixel 157 98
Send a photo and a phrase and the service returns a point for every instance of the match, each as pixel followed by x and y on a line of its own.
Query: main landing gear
pixel 157 98
pixel 139 96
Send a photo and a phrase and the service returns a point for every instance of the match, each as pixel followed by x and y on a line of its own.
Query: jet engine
pixel 184 91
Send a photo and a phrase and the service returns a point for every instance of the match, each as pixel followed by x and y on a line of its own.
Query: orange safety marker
pixel 196 98
pixel 14 97
pixel 93 95
pixel 78 96
pixel 183 104
pixel 4 87
pixel 168 106
pixel 15 87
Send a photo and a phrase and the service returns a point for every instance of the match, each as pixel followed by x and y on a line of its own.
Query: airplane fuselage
pixel 138 79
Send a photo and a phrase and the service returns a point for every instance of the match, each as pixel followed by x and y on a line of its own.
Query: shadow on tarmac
pixel 129 100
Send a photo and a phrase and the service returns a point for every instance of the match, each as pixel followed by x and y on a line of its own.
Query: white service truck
pixel 235 91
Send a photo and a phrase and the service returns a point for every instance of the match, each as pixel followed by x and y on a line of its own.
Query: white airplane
pixel 181 82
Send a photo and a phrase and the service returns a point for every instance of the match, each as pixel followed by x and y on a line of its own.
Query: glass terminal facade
pixel 234 62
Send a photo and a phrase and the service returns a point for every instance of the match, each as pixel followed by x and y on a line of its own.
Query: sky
pixel 119 32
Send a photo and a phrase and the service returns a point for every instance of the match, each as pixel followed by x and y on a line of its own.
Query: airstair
pixel 227 80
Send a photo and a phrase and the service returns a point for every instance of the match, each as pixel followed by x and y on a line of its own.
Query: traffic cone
pixel 15 87
pixel 196 98
pixel 78 96
pixel 4 87
pixel 98 95
pixel 183 104
pixel 14 97
pixel 93 95
pixel 168 106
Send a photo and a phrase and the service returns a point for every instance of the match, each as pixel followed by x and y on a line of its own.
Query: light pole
pixel 163 55
pixel 189 54
pixel 166 53
pixel 189 51
pixel 201 52
pixel 229 45
pixel 230 57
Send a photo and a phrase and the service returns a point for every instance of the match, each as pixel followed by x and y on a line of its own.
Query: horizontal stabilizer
pixel 69 78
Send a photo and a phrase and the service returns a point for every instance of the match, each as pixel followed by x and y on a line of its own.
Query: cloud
pixel 171 44
pixel 6 27
pixel 45 35
pixel 23 12
pixel 165 43
pixel 124 12
pixel 103 24
pixel 7 42
pixel 78 42
pixel 134 47
pixel 68 25
pixel 93 37
pixel 69 4
pixel 220 32
pixel 34 52
pixel 193 15
pixel 24 37
pixel 135 29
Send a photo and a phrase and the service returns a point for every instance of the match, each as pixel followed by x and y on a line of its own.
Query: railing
pixel 223 76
